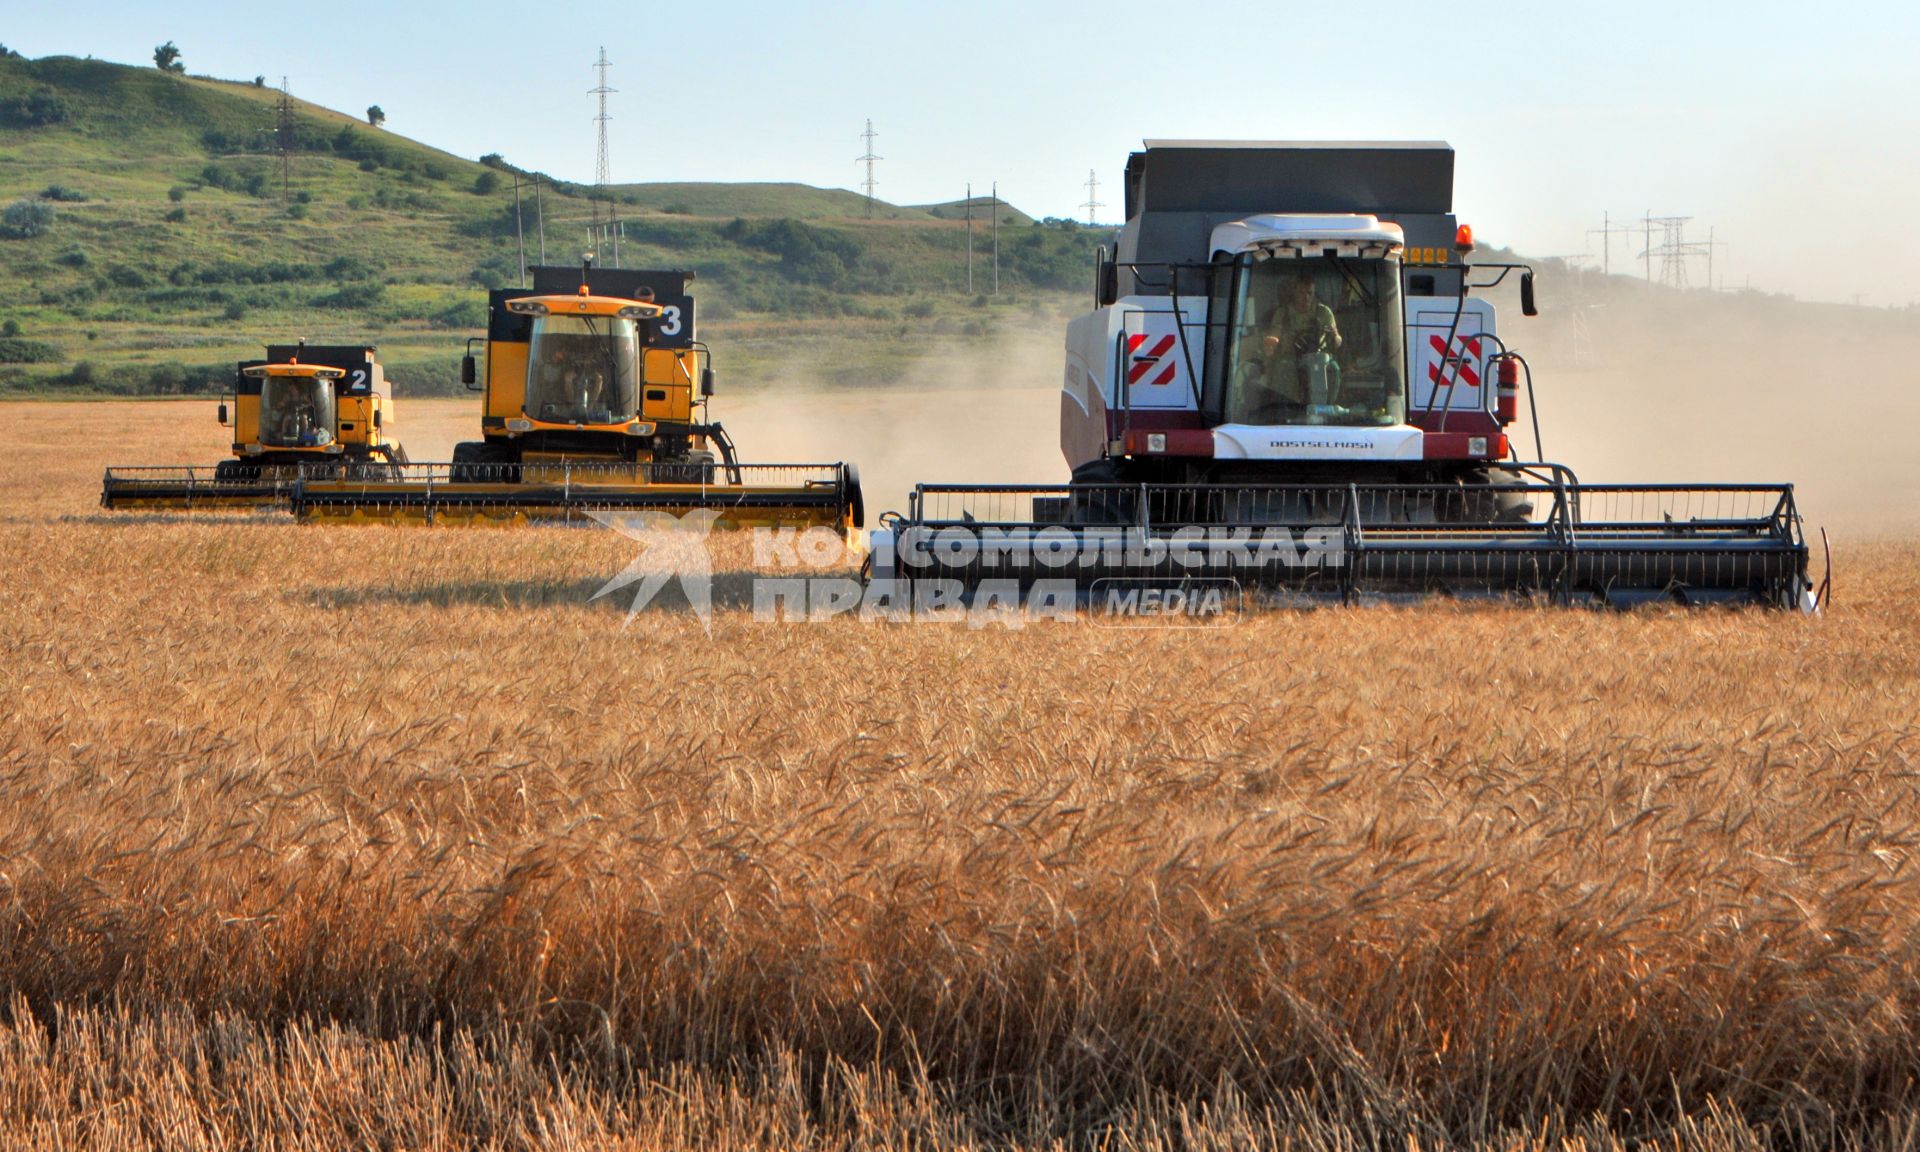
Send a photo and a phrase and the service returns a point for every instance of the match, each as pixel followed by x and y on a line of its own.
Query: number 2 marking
pixel 359 378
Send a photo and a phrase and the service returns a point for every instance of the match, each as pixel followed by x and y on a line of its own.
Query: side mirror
pixel 1527 306
pixel 1108 288
pixel 706 383
pixel 376 417
pixel 468 373
pixel 223 414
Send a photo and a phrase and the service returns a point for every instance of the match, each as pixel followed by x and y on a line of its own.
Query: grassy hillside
pixel 799 201
pixel 982 211
pixel 151 235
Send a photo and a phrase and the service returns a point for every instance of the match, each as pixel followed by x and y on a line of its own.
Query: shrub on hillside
pixel 495 272
pixel 242 272
pixel 25 219
pixel 364 294
pixel 466 312
pixel 14 350
pixel 347 268
pixel 807 254
pixel 34 110
pixel 63 194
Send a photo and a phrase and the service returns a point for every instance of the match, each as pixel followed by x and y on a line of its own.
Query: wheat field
pixel 321 837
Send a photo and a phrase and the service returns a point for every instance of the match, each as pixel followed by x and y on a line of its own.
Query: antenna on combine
pixel 601 168
pixel 868 158
pixel 1093 196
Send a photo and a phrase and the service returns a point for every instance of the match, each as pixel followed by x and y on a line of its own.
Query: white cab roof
pixel 1343 230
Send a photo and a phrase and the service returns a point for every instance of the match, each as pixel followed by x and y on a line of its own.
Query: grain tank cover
pixel 1178 191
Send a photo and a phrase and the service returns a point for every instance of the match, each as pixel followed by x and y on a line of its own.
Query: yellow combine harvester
pixel 302 412
pixel 593 400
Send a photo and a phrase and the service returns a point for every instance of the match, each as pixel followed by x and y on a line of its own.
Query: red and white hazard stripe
pixel 1142 361
pixel 1464 370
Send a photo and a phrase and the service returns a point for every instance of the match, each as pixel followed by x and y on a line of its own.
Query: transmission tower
pixel 1093 196
pixel 868 159
pixel 1673 249
pixel 285 137
pixel 608 229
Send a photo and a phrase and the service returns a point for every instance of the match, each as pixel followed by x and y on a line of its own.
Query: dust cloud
pixel 984 412
pixel 1633 385
pixel 1640 385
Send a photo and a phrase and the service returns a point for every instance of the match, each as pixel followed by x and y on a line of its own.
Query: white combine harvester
pixel 1286 346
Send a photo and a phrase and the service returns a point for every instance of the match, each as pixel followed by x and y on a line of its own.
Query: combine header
pixel 1288 388
pixel 594 399
pixel 304 411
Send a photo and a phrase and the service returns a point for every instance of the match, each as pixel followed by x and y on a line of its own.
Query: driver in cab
pixel 1298 326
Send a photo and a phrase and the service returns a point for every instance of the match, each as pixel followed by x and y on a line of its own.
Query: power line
pixel 996 237
pixel 519 232
pixel 868 158
pixel 1093 196
pixel 1607 231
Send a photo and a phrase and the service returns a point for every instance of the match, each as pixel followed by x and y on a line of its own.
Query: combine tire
pixel 693 468
pixel 1094 505
pixel 478 462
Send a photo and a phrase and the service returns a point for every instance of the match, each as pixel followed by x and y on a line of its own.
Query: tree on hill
pixel 167 58
pixel 375 116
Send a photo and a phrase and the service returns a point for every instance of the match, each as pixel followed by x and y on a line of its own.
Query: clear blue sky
pixel 1793 129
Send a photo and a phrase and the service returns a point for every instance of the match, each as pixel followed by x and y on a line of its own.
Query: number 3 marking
pixel 670 320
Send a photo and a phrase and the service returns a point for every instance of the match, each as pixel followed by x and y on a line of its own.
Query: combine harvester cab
pixel 1286 387
pixel 306 411
pixel 593 399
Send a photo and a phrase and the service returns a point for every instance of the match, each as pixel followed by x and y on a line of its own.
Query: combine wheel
pixel 693 468
pixel 1482 500
pixel 479 462
pixel 1092 504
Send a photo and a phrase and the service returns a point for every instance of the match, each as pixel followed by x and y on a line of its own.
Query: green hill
pixel 981 211
pixel 150 235
pixel 797 201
